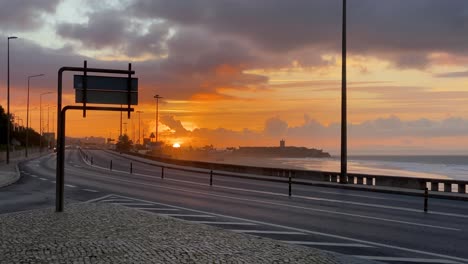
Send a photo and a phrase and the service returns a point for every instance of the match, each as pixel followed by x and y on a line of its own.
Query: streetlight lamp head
pixel 12 37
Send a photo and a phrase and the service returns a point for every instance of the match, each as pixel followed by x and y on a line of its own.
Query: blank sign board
pixel 106 90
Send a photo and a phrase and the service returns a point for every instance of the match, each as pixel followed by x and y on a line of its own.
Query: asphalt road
pixel 385 227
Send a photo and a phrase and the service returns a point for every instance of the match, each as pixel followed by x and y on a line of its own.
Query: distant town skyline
pixel 240 73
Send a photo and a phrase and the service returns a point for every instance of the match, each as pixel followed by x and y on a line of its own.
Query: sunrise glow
pixel 248 86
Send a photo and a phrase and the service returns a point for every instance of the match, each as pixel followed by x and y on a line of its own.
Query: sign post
pixel 91 89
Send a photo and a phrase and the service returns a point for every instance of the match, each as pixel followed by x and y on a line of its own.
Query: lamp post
pixel 40 119
pixel 27 114
pixel 8 100
pixel 120 122
pixel 125 129
pixel 344 147
pixel 139 126
pixel 157 97
pixel 48 135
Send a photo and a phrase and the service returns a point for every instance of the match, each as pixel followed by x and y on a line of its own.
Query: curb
pixel 17 172
pixel 13 180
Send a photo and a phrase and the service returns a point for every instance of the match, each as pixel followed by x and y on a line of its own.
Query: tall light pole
pixel 344 143
pixel 27 113
pixel 157 97
pixel 48 135
pixel 139 126
pixel 120 122
pixel 8 100
pixel 125 124
pixel 40 119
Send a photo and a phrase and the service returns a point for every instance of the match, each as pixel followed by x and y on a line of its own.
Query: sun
pixel 176 145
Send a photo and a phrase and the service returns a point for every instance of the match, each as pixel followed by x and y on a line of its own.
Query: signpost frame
pixel 61 113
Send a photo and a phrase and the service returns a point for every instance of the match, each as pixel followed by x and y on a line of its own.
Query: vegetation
pixel 17 133
pixel 124 143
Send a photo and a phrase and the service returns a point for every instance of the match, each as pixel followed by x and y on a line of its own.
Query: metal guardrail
pixel 413 183
pixel 303 177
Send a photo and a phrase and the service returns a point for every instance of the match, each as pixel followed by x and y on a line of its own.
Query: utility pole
pixel 139 126
pixel 28 123
pixel 344 143
pixel 120 122
pixel 40 120
pixel 157 97
pixel 8 100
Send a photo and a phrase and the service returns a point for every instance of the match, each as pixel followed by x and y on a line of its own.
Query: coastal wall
pixel 439 185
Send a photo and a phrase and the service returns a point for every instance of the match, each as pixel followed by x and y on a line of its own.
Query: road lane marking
pixel 222 223
pixel 71 186
pixel 301 196
pixel 267 232
pixel 328 244
pixel 155 209
pixel 130 204
pixel 287 205
pixel 77 166
pixel 90 190
pixel 229 179
pixel 188 215
pixel 115 200
pixel 408 260
pixel 32 175
pixel 377 244
pixel 99 198
pixel 43 179
pixel 54 182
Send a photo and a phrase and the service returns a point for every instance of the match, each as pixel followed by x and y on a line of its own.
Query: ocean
pixel 453 167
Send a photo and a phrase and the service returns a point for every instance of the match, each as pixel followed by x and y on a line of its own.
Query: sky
pixel 244 73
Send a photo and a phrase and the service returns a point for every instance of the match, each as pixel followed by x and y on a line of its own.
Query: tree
pixel 19 134
pixel 124 143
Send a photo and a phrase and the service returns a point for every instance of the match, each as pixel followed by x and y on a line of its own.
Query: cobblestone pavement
pixel 102 233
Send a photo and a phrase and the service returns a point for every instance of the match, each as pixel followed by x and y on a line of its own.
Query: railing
pixel 305 177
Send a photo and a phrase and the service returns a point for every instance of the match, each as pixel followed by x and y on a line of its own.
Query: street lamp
pixel 157 97
pixel 40 119
pixel 27 113
pixel 139 126
pixel 344 147
pixel 8 99
pixel 48 135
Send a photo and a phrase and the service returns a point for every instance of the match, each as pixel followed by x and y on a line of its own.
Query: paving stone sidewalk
pixel 103 233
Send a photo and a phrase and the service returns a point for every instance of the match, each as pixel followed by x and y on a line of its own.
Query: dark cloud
pixel 113 29
pixel 102 30
pixel 24 14
pixel 199 63
pixel 174 124
pixel 463 74
pixel 400 30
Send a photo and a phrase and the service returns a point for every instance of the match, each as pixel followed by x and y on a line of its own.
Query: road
pixel 385 227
